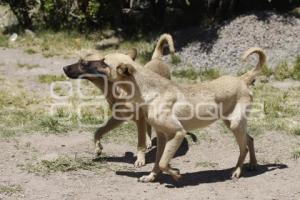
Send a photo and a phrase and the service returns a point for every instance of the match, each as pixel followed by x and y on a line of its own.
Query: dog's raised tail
pixel 158 52
pixel 249 76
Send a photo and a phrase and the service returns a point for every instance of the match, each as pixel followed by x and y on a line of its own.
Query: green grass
pixel 10 189
pixel 296 131
pixel 64 164
pixel 50 43
pixel 278 110
pixel 3 40
pixel 282 71
pixel 266 71
pixel 296 69
pixel 296 153
pixel 193 74
pixel 206 164
pixel 28 66
pixel 49 78
pixel 30 51
pixel 296 12
pixel 175 60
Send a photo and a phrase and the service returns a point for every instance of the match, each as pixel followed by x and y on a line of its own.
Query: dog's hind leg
pixel 253 161
pixel 161 143
pixel 172 146
pixel 109 125
pixel 241 138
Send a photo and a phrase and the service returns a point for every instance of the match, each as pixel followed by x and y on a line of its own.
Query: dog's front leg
pixel 109 125
pixel 141 146
pixel 161 143
pixel 148 136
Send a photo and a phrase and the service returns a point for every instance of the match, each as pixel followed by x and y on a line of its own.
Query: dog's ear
pixel 133 53
pixel 125 69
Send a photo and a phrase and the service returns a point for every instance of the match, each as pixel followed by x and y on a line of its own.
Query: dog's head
pixel 95 64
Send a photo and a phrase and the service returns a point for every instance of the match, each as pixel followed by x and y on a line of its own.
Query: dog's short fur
pixel 165 105
pixel 93 62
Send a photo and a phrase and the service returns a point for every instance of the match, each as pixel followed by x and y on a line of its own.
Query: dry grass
pixel 193 74
pixel 10 189
pixel 64 164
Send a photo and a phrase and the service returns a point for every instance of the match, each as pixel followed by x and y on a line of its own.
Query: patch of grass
pixel 3 40
pixel 10 189
pixel 274 109
pixel 50 43
pixel 296 12
pixel 296 153
pixel 266 71
pixel 53 124
pixel 126 132
pixel 28 66
pixel 189 73
pixel 30 51
pixel 175 60
pixel 64 164
pixel 193 74
pixel 296 131
pixel 282 71
pixel 296 69
pixel 49 78
pixel 206 164
pixel 209 74
pixel 145 56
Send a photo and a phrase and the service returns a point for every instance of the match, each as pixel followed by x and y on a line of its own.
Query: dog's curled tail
pixel 158 52
pixel 249 76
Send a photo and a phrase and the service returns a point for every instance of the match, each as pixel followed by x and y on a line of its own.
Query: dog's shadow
pixel 208 176
pixel 150 155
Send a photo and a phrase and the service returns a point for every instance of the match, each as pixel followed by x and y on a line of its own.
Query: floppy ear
pixel 133 53
pixel 125 69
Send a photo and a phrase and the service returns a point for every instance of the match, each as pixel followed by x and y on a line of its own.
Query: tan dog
pixel 89 64
pixel 175 109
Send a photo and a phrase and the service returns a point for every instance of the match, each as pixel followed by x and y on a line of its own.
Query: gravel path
pixel 222 46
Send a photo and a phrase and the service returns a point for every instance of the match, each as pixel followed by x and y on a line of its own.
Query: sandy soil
pixel 205 165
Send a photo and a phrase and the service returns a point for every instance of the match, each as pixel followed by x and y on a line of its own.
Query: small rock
pixel 13 37
pixel 29 33
pixel 107 43
pixel 7 17
pixel 108 33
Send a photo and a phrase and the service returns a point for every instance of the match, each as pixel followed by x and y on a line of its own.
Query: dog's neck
pixel 148 85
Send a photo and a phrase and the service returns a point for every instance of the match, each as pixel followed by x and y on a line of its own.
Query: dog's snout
pixel 65 69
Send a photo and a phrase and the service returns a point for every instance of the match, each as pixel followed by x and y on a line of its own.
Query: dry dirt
pixel 205 165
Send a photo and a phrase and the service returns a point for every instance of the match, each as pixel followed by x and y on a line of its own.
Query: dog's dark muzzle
pixel 72 71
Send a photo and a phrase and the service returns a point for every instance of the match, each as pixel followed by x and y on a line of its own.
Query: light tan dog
pixel 175 109
pixel 87 66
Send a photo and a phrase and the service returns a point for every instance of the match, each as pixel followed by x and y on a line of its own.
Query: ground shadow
pixel 208 176
pixel 150 155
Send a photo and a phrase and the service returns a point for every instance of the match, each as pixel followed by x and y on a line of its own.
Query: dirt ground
pixel 205 165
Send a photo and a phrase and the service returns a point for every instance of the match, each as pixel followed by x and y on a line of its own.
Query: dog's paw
pixel 175 173
pixel 98 152
pixel 237 173
pixel 147 179
pixel 98 149
pixel 139 162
